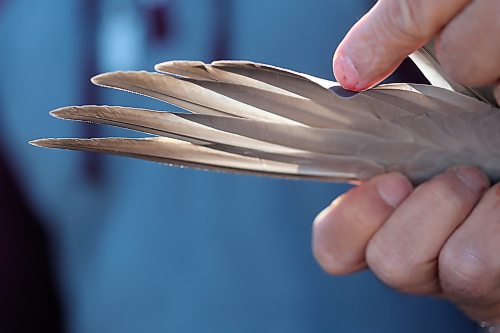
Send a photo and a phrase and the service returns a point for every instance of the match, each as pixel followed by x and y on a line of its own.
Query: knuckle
pixel 324 250
pixel 331 263
pixel 460 65
pixel 407 17
pixel 439 192
pixel 448 189
pixel 336 252
pixel 322 247
pixel 466 54
pixel 389 266
pixel 437 189
pixel 465 275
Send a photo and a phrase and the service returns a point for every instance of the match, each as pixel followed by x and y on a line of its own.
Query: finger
pixel 390 31
pixel 404 252
pixel 468 48
pixel 469 264
pixel 341 231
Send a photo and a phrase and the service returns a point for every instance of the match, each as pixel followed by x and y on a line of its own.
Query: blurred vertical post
pixel 29 299
pixel 92 163
pixel 158 20
pixel 222 31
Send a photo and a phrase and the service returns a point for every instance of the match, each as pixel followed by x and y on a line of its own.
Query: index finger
pixel 378 43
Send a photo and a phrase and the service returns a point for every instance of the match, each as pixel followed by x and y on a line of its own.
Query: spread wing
pixel 254 118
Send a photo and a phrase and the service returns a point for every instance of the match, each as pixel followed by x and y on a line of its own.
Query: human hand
pixel 465 31
pixel 441 238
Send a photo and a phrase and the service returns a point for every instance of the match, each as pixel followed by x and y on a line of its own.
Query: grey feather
pixel 260 119
pixel 180 153
pixel 426 60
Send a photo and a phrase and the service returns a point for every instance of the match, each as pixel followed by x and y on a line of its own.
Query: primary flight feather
pixel 260 119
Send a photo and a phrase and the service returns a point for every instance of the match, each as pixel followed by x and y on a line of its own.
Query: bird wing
pixel 254 118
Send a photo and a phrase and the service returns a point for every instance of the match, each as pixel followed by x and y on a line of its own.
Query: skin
pixel 441 238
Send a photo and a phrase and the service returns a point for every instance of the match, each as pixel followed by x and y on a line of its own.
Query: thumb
pixel 378 43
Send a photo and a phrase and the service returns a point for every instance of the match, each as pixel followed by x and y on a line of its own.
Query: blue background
pixel 140 247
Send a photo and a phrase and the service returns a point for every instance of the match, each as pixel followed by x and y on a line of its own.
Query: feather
pixel 183 94
pixel 180 153
pixel 427 62
pixel 260 119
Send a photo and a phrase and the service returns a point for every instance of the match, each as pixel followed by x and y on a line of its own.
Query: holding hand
pixel 443 237
pixel 466 32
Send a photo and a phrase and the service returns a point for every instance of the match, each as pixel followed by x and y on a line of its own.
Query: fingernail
pixel 393 188
pixel 472 177
pixel 345 73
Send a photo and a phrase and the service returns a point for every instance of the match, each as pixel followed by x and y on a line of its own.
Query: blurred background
pixel 94 243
